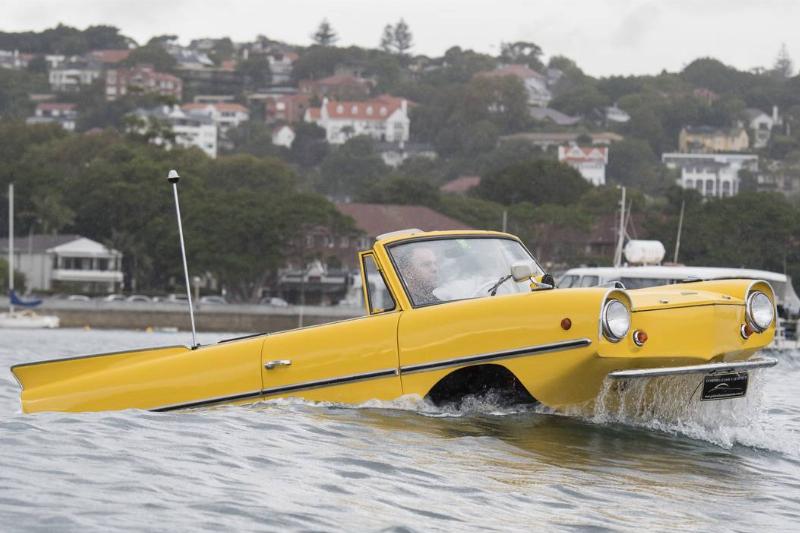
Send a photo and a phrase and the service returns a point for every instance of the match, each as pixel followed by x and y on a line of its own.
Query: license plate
pixel 724 386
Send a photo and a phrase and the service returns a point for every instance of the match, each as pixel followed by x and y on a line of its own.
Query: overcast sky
pixel 604 36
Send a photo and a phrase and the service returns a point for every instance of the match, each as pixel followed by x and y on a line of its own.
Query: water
pixel 400 466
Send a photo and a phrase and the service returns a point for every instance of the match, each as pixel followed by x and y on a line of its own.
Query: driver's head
pixel 423 267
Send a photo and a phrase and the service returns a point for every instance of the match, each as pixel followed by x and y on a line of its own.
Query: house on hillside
pixel 189 130
pixel 590 161
pixel 110 57
pixel 535 84
pixel 69 263
pixel 141 79
pixel 73 74
pixel 708 139
pixel 289 108
pixel 283 136
pixel 761 124
pixel 712 175
pixel 226 115
pixel 546 114
pixel 384 118
pixel 337 87
pixel 61 113
pixel 547 140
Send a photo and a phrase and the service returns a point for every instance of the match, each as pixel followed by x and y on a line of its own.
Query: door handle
pixel 269 365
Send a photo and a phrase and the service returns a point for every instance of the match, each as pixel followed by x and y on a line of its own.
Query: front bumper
pixel 761 362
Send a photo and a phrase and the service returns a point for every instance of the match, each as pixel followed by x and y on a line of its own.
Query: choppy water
pixel 403 466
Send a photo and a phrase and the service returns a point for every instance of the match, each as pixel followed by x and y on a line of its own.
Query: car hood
pixel 661 298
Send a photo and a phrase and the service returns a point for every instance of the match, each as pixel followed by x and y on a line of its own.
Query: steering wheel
pixel 483 289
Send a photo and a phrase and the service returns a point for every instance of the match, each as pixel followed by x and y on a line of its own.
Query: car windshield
pixel 443 270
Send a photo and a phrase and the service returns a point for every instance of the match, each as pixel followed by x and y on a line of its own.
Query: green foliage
pixel 309 148
pixel 475 212
pixel 325 34
pixel 539 182
pixel 397 39
pixel 19 278
pixel 632 162
pixel 15 86
pixel 351 168
pixel 240 213
pixel 65 40
pixel 153 54
pixel 256 71
pixel 400 189
pixel 522 52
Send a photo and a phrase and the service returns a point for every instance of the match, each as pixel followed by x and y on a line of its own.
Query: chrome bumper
pixel 761 362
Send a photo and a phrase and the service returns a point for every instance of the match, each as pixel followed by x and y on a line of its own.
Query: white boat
pixel 24 319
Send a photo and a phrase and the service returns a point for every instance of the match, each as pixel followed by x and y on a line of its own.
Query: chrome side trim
pixel 761 362
pixel 207 402
pixel 330 382
pixel 530 350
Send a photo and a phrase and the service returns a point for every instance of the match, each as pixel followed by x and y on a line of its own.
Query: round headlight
pixel 616 320
pixel 760 312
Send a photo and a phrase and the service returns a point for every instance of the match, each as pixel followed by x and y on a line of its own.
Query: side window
pixel 567 281
pixel 589 281
pixel 379 299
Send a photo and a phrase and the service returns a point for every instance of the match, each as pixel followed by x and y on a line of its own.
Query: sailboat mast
pixel 10 245
pixel 621 234
pixel 678 239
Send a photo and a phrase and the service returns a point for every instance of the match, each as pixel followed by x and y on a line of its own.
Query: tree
pixel 632 162
pixel 387 38
pixel 522 52
pixel 256 71
pixel 397 38
pixel 325 34
pixel 402 37
pixel 351 168
pixel 783 67
pixel 406 190
pixel 539 181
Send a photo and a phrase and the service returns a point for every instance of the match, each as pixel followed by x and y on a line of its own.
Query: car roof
pixel 401 235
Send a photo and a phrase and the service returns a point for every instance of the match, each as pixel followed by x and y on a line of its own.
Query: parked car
pixel 113 298
pixel 213 299
pixel 78 298
pixel 449 315
pixel 273 301
pixel 138 298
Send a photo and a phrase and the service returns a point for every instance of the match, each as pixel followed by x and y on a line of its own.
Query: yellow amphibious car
pixel 448 314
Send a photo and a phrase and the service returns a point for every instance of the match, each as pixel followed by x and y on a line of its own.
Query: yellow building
pixel 709 139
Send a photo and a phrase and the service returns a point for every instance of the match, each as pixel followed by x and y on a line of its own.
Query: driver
pixel 422 275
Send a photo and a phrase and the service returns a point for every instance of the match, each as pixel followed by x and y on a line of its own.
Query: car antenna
pixel 173 178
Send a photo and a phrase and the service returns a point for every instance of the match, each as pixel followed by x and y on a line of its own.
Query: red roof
pixel 582 153
pixel 379 108
pixel 53 106
pixel 520 71
pixel 376 219
pixel 221 106
pixel 110 56
pixel 461 184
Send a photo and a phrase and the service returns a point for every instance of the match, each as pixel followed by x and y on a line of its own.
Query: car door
pixel 350 361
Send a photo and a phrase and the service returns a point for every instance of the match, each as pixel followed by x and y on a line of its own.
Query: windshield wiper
pixel 496 286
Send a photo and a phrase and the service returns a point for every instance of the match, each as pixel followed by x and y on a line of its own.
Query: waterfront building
pixel 68 263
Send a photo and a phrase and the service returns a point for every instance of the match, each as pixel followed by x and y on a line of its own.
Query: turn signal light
pixel 566 324
pixel 746 330
pixel 639 337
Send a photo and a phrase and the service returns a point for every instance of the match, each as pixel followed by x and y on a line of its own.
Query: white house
pixel 535 84
pixel 384 118
pixel 761 125
pixel 225 115
pixel 66 262
pixel 283 136
pixel 590 161
pixel 63 114
pixel 71 76
pixel 712 175
pixel 189 130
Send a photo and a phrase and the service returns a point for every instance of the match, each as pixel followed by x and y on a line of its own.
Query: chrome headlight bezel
pixel 613 332
pixel 756 305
